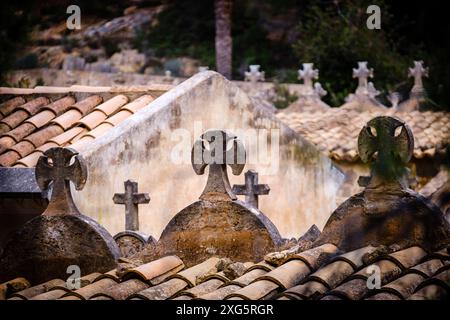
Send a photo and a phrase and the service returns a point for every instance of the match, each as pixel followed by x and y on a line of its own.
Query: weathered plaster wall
pixel 304 183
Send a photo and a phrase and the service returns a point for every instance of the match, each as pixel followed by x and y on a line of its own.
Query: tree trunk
pixel 223 37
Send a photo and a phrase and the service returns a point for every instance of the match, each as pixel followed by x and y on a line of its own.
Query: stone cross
pixel 319 90
pixel 251 189
pixel 417 73
pixel 60 166
pixel 167 76
pixel 362 73
pixel 308 74
pixel 254 75
pixel 394 99
pixel 217 156
pixel 387 144
pixel 131 199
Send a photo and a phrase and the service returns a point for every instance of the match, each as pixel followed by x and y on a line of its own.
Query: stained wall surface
pixel 153 148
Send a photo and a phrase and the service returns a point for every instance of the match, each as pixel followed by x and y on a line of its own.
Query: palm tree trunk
pixel 223 37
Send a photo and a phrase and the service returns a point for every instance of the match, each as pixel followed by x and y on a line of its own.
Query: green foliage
pixel 183 29
pixel 334 36
pixel 283 97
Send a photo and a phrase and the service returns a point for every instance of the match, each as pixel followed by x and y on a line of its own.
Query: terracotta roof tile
pixel 6 142
pixel 67 136
pixel 335 130
pixel 33 106
pixel 39 289
pixel 122 290
pixel 287 275
pixel 8 106
pixel 305 291
pixel 92 120
pixel 404 286
pixel 262 289
pixel 332 274
pixel 23 148
pixel 67 119
pixel 156 271
pixel 111 105
pixel 193 274
pixel 9 158
pixel 118 117
pixel 138 103
pixel 86 105
pixel 316 256
pixel 408 257
pixel 220 293
pixel 430 292
pixel 249 277
pixel 355 257
pixel 51 295
pixel 162 291
pixel 30 160
pixel 40 137
pixel 201 289
pixel 89 290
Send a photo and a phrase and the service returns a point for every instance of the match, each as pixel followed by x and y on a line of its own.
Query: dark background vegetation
pixel 279 35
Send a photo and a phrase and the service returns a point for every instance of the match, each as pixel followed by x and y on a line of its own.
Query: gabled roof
pixel 34 120
pixel 335 131
pixel 318 273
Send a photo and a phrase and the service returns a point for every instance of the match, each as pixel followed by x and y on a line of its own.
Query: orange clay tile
pixel 40 119
pixel 13 120
pixel 93 119
pixel 67 136
pixel 119 117
pixel 30 160
pixel 23 148
pixel 5 143
pixel 21 131
pixel 8 106
pixel 8 158
pixel 67 119
pixel 138 103
pixel 86 105
pixel 100 130
pixel 40 137
pixel 33 106
pixel 60 105
pixel 110 106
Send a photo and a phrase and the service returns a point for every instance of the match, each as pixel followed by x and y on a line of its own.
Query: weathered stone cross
pixel 217 156
pixel 131 199
pixel 55 167
pixel 362 73
pixel 308 74
pixel 251 189
pixel 387 144
pixel 417 73
pixel 254 75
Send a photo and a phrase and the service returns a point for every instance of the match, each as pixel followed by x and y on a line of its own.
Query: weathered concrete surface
pixel 219 228
pixel 44 247
pixel 303 182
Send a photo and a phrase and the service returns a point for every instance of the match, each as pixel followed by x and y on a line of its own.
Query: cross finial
pixel 387 144
pixel 363 74
pixel 218 156
pixel 394 99
pixel 251 189
pixel 59 166
pixel 254 75
pixel 417 73
pixel 131 199
pixel 319 90
pixel 203 68
pixel 308 74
